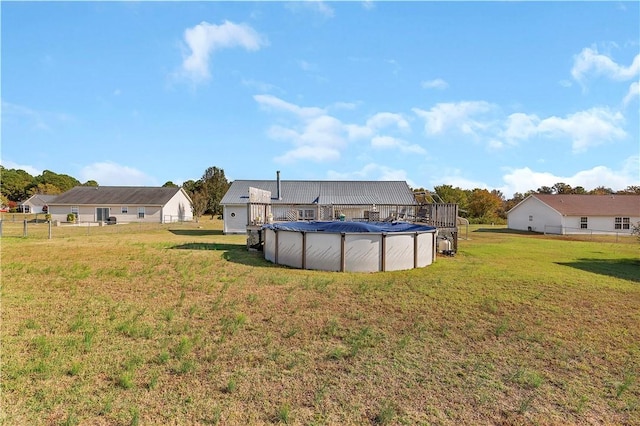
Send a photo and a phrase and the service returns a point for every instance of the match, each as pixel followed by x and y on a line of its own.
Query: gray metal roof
pixel 324 192
pixel 114 195
pixel 39 199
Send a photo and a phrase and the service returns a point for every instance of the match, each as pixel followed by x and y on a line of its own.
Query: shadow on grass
pixel 626 269
pixel 237 253
pixel 195 232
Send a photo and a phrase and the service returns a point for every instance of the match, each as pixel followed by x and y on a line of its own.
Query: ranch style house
pixel 122 204
pixel 37 203
pixel 575 214
pixel 292 200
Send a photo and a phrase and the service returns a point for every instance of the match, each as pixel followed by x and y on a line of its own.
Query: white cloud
pixel 589 62
pixel 633 93
pixel 585 128
pixel 520 126
pixel 260 86
pixel 458 116
pixel 273 102
pixel 33 171
pixel 524 179
pixel 37 120
pixel 316 6
pixel 437 83
pixel 205 38
pixel 372 171
pixel 318 136
pixel 389 142
pixel 307 66
pixel 313 153
pixel 386 119
pixel 455 178
pixel 112 174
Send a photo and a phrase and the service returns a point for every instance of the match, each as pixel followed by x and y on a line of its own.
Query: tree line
pixel 485 206
pixel 477 205
pixel 16 185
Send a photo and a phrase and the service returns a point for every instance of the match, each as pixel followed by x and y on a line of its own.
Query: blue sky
pixel 496 95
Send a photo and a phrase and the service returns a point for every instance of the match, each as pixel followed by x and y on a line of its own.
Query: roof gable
pixel 117 195
pixel 39 199
pixel 591 205
pixel 324 192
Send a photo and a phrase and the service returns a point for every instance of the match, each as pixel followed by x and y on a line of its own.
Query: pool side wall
pixel 350 252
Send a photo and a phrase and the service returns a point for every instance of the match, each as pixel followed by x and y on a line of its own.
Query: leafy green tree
pixel 192 186
pixel 199 203
pixel 544 190
pixel 45 188
pixel 562 188
pixel 169 184
pixel 215 185
pixel 91 183
pixel 632 189
pixel 601 190
pixel 14 183
pixel 449 194
pixel 62 181
pixel 484 204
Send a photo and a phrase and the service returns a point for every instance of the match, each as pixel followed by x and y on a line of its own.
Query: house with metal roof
pixel 37 203
pixel 123 204
pixel 575 214
pixel 252 202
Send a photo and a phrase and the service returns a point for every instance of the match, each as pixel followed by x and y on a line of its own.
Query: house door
pixel 102 214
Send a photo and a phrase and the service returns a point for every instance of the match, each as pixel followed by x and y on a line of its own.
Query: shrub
pixel 71 217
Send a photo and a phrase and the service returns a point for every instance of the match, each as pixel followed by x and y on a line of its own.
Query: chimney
pixel 278 185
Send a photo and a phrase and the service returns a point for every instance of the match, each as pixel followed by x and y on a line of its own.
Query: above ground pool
pixel 350 246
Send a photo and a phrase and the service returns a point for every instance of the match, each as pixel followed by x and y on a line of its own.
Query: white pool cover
pixel 350 246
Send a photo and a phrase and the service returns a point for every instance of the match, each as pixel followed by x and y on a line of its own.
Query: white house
pixel 575 214
pixel 292 200
pixel 124 203
pixel 37 203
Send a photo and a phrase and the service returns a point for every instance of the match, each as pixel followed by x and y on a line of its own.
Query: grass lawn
pixel 179 324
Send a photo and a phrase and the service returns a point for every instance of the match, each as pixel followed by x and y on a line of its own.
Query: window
pixel 140 212
pixel 583 222
pixel 306 214
pixel 621 223
pixel 124 209
pixel 530 218
pixel 617 223
pixel 625 223
pixel 75 211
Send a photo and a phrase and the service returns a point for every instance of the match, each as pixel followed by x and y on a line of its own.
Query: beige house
pixel 37 203
pixel 575 214
pixel 123 204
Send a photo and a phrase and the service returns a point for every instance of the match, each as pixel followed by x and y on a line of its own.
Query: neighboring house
pixel 575 214
pixel 37 203
pixel 291 200
pixel 124 203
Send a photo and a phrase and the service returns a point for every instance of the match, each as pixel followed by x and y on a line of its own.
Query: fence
pixel 48 230
pixel 586 234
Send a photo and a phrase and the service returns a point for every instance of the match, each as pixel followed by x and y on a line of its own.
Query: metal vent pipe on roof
pixel 278 185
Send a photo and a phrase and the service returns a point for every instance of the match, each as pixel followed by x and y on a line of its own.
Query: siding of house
pixel 177 209
pixel 160 204
pixel 541 216
pixel 235 219
pixel 562 214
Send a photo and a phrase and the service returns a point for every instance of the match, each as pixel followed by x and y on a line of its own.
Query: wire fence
pixel 40 229
pixel 588 234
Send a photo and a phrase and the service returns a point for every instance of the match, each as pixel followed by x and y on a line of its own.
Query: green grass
pixel 179 324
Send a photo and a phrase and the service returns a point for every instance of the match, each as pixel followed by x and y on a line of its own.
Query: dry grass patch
pixel 182 325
